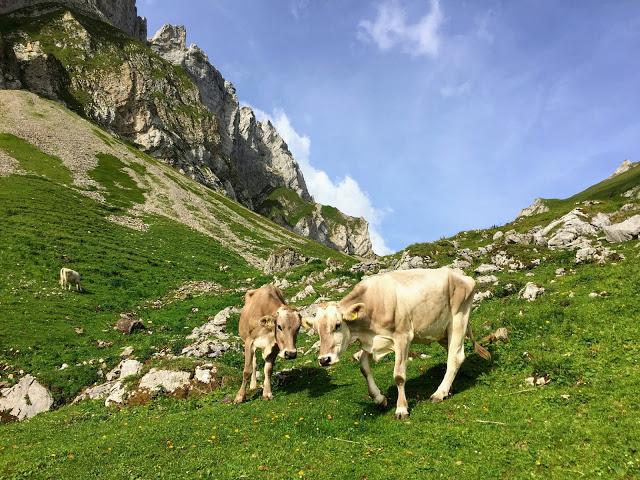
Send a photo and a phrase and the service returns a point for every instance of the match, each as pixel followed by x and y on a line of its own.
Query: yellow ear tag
pixel 354 316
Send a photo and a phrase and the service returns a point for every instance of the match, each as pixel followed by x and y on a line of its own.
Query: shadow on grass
pixel 419 389
pixel 316 381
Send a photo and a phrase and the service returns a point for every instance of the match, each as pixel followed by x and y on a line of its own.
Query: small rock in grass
pixel 129 324
pixel 126 351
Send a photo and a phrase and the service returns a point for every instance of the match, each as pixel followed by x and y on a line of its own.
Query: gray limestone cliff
pixel 122 14
pixel 261 156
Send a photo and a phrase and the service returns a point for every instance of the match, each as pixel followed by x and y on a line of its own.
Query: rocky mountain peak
pixel 624 166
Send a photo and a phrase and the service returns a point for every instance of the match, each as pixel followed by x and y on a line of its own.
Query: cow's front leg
pixel 374 391
pixel 249 353
pixel 401 349
pixel 268 368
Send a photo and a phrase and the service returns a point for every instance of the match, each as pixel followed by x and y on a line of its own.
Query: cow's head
pixel 285 324
pixel 331 323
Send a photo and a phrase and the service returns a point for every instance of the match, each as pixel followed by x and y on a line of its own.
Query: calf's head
pixel 331 323
pixel 286 324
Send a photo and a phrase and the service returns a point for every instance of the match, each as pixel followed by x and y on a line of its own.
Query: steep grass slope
pixel 321 424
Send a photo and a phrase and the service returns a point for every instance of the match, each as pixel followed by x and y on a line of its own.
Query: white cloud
pixel 455 90
pixel 390 29
pixel 345 194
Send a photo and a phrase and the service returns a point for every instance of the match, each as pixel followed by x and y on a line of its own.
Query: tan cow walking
pixel 68 278
pixel 386 312
pixel 269 324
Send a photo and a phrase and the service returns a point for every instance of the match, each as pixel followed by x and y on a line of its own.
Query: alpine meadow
pixel 129 160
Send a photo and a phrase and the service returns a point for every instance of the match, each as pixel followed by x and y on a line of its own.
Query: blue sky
pixel 430 117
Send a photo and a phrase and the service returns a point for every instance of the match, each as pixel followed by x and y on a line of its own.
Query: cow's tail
pixel 479 349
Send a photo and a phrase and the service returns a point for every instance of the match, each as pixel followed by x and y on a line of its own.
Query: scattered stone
pixel 129 324
pixel 366 266
pixel 25 399
pixel 126 351
pixel 124 369
pixel 487 268
pixel 210 339
pixel 168 380
pixel 623 231
pixel 601 220
pixel 408 262
pixel 529 274
pixel 306 292
pixel 281 283
pixel 531 291
pixel 284 259
pixel 203 375
pixel 64 366
pixel 537 381
pixel 117 395
pixel 518 238
pixel 78 330
pixel 560 272
pixel 567 232
pixel 460 264
pixel 480 296
pixel 497 236
pixel 487 279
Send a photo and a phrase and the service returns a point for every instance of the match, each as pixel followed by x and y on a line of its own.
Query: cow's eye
pixel 280 327
pixel 338 326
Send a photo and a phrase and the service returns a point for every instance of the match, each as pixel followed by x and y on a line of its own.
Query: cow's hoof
pixel 267 397
pixel 238 399
pixel 402 413
pixel 437 397
pixel 381 402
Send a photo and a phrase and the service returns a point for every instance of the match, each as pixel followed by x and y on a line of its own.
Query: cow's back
pixel 258 303
pixel 417 300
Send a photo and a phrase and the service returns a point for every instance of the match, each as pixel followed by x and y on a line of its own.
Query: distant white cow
pixel 68 278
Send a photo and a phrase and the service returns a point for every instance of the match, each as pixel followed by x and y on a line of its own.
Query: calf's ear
pixel 308 322
pixel 267 321
pixel 354 312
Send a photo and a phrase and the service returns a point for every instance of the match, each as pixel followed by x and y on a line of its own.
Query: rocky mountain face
pixel 122 14
pixel 166 98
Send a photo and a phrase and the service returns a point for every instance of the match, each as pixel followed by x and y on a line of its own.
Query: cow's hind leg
pixel 374 391
pixel 249 353
pixel 401 349
pixel 254 380
pixel 455 353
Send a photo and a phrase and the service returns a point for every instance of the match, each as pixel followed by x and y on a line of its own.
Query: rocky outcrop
pixel 339 231
pixel 25 399
pixel 538 206
pixel 260 155
pixel 210 339
pixel 623 231
pixel 122 14
pixel 282 260
pixel 624 167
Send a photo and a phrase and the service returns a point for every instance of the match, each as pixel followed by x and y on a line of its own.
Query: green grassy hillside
pixel 65 199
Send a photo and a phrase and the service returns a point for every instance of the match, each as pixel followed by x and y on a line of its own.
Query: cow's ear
pixel 268 321
pixel 308 322
pixel 354 312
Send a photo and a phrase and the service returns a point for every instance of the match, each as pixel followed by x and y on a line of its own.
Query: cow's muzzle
pixel 325 361
pixel 290 354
